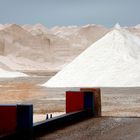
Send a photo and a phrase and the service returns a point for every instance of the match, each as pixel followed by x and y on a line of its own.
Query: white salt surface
pixel 11 74
pixel 112 61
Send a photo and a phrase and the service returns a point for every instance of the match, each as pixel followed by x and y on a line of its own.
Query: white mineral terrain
pixel 36 47
pixel 90 55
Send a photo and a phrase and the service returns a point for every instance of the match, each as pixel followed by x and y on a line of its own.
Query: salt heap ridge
pixel 112 61
pixel 11 74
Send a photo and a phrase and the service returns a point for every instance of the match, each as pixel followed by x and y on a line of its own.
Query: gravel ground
pixel 104 128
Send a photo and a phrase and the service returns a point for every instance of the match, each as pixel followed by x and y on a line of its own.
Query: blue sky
pixel 70 12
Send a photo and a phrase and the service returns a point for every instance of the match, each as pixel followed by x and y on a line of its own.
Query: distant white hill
pixel 35 47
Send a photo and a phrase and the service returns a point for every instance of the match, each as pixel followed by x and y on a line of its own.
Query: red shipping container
pixel 8 117
pixel 74 101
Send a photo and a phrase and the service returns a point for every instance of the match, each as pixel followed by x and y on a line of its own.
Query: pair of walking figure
pixel 47 116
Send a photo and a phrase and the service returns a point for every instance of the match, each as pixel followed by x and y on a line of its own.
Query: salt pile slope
pixel 11 74
pixel 112 61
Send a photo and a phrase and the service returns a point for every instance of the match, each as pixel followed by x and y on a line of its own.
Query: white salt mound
pixel 117 26
pixel 137 26
pixel 11 74
pixel 112 61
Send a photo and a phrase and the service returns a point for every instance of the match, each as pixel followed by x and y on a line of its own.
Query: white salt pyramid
pixel 112 61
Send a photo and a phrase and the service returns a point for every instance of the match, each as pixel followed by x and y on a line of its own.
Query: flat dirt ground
pixel 104 128
pixel 120 109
